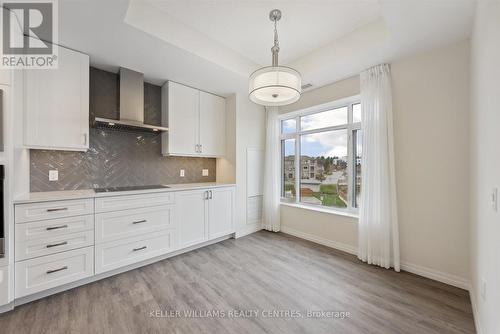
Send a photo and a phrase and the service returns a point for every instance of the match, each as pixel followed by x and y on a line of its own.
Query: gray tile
pixel 115 159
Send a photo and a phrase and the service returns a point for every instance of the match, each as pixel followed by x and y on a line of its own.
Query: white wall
pixel 245 128
pixel 431 105
pixel 431 115
pixel 226 167
pixel 250 133
pixel 485 166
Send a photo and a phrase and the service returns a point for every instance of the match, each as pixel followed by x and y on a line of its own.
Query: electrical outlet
pixel 483 289
pixel 204 172
pixel 182 173
pixel 494 199
pixel 53 175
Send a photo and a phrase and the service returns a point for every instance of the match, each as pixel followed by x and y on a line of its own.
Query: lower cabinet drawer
pixel 50 271
pixel 55 209
pixel 116 254
pixel 56 244
pixel 44 229
pixel 119 225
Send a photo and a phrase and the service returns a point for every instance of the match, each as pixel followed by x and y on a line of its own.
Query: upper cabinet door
pixel 182 111
pixel 56 105
pixel 212 125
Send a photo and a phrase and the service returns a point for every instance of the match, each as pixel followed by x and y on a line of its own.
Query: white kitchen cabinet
pixel 56 209
pixel 212 125
pixel 56 107
pixel 192 217
pixel 137 201
pixel 182 119
pixel 220 212
pixel 196 122
pixel 50 271
pixel 205 215
pixel 123 252
pixel 124 224
pixel 58 243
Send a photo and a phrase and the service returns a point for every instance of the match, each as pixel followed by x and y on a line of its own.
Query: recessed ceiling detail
pixel 214 45
pixel 243 25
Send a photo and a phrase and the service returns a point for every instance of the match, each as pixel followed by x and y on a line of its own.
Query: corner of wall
pixel 226 167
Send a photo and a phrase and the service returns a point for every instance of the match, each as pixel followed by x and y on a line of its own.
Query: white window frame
pixel 351 163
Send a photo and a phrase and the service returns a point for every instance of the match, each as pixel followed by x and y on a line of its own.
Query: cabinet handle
pixel 140 248
pixel 50 228
pixel 57 209
pixel 56 270
pixel 211 194
pixel 58 244
pixel 84 139
pixel 197 148
pixel 201 148
pixel 206 195
pixel 139 221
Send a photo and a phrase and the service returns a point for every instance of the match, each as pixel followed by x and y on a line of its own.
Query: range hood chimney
pixel 131 105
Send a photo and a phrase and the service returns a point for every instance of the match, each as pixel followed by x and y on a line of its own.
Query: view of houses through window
pixel 321 156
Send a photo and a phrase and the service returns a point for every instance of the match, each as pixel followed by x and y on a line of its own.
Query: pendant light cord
pixel 276 48
pixel 276 42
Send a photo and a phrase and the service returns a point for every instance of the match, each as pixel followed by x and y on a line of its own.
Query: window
pixel 357 151
pixel 288 126
pixel 325 146
pixel 288 168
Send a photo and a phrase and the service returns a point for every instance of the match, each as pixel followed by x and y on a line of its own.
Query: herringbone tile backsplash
pixel 115 159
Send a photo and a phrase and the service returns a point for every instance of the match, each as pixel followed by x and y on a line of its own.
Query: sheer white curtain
pixel 378 236
pixel 272 172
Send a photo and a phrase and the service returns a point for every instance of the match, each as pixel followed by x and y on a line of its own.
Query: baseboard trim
pixel 436 275
pixel 97 277
pixel 322 241
pixel 7 307
pixel 473 301
pixel 248 230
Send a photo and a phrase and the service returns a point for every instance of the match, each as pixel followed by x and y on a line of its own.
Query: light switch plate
pixel 53 175
pixel 204 172
pixel 182 173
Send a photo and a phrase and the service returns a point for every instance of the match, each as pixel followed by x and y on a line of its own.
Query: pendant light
pixel 275 85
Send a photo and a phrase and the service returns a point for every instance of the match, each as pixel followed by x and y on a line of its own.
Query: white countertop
pixel 46 196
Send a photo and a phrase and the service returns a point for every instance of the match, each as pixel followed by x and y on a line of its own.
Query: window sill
pixel 321 209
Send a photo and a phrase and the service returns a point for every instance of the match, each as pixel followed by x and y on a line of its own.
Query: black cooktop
pixel 130 188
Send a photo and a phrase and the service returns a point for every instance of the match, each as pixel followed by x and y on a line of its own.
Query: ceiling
pixel 244 26
pixel 215 44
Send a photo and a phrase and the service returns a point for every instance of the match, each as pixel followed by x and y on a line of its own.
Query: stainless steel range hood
pixel 131 105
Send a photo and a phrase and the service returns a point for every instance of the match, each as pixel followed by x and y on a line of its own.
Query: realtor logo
pixel 29 32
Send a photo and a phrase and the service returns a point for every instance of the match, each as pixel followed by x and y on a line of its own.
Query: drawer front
pixel 116 254
pixel 56 244
pixel 44 229
pixel 56 209
pixel 128 223
pixel 114 203
pixel 53 270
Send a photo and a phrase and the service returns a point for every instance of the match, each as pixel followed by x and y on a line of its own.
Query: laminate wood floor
pixel 278 276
